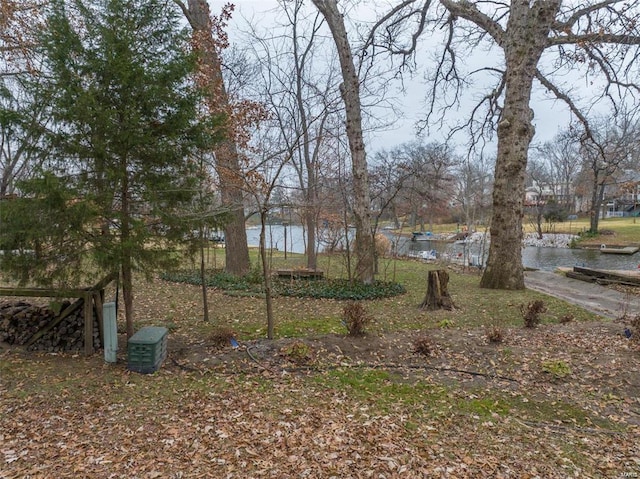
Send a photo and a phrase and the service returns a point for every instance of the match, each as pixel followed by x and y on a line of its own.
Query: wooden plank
pixel 43 292
pixel 105 281
pixel 57 293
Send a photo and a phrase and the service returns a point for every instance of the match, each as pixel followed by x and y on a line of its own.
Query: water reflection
pixel 532 257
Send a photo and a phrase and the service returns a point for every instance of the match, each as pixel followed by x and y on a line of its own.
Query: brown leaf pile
pixel 70 417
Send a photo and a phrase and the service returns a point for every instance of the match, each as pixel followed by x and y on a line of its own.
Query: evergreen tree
pixel 125 128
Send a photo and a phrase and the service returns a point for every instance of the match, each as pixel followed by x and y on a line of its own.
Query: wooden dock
pixel 629 278
pixel 622 250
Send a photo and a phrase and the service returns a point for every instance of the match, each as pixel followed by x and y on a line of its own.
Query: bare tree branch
pixel 597 38
pixel 468 11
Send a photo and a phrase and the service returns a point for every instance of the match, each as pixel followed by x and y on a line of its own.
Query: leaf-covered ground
pixel 557 401
pixel 352 407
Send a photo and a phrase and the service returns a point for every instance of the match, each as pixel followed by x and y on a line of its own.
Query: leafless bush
pixel 495 334
pixel 355 318
pixel 634 327
pixel 221 337
pixel 532 311
pixel 424 345
pixel 567 318
pixel 297 352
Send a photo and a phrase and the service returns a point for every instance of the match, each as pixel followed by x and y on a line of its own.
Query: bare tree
pixel 350 90
pixel 208 39
pixel 605 151
pixel 539 180
pixel 388 178
pixel 563 158
pixel 261 181
pixel 595 35
pixel 299 87
pixel 20 21
pixel 472 192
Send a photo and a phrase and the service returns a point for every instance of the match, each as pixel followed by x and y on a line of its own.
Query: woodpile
pixel 41 328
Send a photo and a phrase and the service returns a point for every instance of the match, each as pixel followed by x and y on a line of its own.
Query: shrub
pixel 355 318
pixel 423 345
pixel 556 368
pixel 567 318
pixel 445 323
pixel 531 313
pixel 495 334
pixel 297 352
pixel 221 337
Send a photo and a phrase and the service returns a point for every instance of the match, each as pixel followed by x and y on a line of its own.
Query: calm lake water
pixel 532 257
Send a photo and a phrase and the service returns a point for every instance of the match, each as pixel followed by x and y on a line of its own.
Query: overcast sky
pixel 550 116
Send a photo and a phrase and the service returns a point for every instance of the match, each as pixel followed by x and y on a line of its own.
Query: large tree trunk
pixel 528 28
pixel 227 163
pixel 350 90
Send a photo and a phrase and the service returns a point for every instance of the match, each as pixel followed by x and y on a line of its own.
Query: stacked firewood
pixel 40 328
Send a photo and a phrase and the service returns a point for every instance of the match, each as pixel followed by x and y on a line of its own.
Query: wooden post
pixel 98 302
pixel 437 296
pixel 88 323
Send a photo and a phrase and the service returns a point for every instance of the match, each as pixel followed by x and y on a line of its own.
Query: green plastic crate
pixel 147 349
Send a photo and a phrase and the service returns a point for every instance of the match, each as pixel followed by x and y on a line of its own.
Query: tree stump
pixel 437 296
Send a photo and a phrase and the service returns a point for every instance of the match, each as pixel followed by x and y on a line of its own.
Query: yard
pixel 423 394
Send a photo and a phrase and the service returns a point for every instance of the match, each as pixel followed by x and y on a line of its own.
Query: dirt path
pixel 593 297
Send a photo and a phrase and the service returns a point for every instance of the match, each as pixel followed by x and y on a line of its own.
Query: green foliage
pixel 445 323
pixel 557 368
pixel 588 234
pixel 340 289
pixel 554 213
pixel 125 120
pixel 45 232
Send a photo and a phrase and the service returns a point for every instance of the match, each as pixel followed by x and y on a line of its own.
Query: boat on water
pixel 427 255
pixel 421 236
